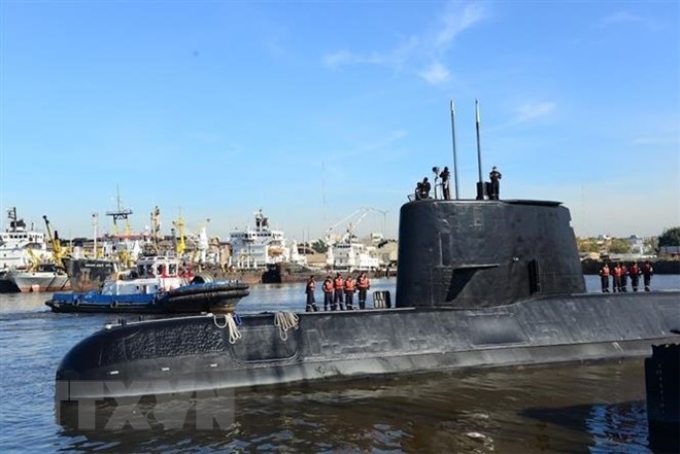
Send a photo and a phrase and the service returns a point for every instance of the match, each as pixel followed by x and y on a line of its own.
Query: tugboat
pixel 158 285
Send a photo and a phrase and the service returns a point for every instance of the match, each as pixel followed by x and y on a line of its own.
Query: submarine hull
pixel 480 284
pixel 194 353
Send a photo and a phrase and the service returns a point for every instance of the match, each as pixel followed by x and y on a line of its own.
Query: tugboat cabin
pixel 152 275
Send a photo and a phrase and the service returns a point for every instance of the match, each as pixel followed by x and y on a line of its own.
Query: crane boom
pixel 57 251
pixel 361 212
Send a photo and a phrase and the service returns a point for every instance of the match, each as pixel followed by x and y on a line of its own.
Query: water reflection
pixel 517 410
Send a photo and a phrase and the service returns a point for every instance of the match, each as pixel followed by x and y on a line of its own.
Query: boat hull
pixel 195 352
pixel 88 274
pixel 216 297
pixel 39 281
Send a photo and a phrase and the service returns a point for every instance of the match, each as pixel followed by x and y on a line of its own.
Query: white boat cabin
pixel 152 275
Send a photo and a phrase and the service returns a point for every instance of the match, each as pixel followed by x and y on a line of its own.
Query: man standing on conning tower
pixel 495 186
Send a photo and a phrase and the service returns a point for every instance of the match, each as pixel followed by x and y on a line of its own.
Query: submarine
pixel 481 283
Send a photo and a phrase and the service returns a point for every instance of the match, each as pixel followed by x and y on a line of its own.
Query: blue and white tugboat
pixel 158 285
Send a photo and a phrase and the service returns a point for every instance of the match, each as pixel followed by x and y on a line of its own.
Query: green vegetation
pixel 588 245
pixel 619 246
pixel 670 237
pixel 320 246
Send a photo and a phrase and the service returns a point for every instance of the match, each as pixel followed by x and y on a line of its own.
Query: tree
pixel 320 246
pixel 619 246
pixel 670 237
pixel 586 245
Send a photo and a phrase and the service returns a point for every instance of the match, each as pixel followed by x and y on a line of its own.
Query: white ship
pixel 258 247
pixel 346 253
pixel 45 277
pixel 352 256
pixel 19 246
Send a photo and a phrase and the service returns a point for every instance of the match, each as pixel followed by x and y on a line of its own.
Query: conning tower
pixel 481 253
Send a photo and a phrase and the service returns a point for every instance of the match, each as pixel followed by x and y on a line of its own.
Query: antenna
pixel 481 187
pixel 95 228
pixel 453 137
pixel 120 213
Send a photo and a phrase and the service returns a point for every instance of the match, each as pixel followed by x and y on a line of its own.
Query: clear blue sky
pixel 312 109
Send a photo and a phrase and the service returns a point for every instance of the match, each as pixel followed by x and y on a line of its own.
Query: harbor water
pixel 586 407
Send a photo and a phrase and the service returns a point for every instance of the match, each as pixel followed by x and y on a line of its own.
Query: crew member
pixel 309 290
pixel 425 189
pixel 634 272
pixel 446 176
pixel 604 278
pixel 495 187
pixel 647 272
pixel 328 293
pixel 616 278
pixel 419 190
pixel 624 278
pixel 350 287
pixel 363 284
pixel 339 286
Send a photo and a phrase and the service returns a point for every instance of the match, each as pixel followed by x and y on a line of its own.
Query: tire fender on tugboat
pixel 201 279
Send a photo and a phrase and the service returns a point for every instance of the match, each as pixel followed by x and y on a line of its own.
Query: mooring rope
pixel 229 322
pixel 285 321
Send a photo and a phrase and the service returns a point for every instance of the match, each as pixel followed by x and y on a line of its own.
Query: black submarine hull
pixel 193 353
pixel 479 284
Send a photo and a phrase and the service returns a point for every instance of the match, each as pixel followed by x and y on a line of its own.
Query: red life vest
pixel 328 286
pixel 339 283
pixel 363 283
pixel 604 271
pixel 349 285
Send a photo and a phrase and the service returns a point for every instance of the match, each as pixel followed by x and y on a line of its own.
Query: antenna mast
pixel 120 213
pixel 481 188
pixel 455 159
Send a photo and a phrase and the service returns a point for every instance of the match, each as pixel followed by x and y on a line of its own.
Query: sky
pixel 312 110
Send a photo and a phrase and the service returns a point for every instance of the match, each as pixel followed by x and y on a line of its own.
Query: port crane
pixel 200 242
pixel 181 245
pixel 360 214
pixel 57 251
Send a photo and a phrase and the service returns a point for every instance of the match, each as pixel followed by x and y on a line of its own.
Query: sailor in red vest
pixel 328 293
pixel 309 290
pixel 647 272
pixel 635 273
pixel 604 278
pixel 616 278
pixel 624 278
pixel 339 286
pixel 363 284
pixel 350 287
